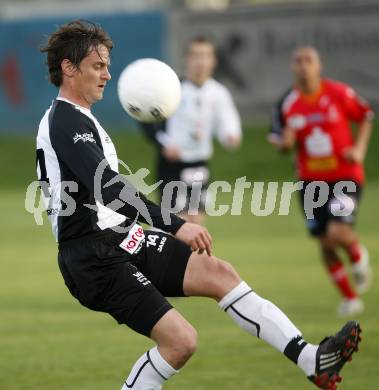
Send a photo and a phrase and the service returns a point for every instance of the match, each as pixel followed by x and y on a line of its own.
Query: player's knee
pixel 176 337
pixel 222 276
pixel 337 231
pixel 327 245
pixel 190 342
pixel 227 270
pixel 184 344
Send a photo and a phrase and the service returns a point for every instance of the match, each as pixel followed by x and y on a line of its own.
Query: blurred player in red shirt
pixel 315 116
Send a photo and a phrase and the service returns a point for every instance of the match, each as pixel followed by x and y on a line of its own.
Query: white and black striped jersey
pixel 204 112
pixel 71 144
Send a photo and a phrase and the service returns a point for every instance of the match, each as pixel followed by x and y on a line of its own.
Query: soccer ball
pixel 149 90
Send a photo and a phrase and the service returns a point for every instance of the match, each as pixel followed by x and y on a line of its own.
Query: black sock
pixel 294 348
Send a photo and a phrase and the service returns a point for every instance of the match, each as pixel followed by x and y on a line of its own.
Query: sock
pixel 338 274
pixel 149 372
pixel 307 359
pixel 263 319
pixel 354 251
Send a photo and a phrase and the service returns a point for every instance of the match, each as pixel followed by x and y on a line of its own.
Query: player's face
pixel 200 61
pixel 306 65
pixel 92 75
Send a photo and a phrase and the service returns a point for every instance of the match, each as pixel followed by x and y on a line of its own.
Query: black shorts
pixel 322 215
pixel 192 193
pixel 131 288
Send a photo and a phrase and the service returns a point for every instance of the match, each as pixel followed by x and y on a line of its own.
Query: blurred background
pixel 48 341
pixel 254 40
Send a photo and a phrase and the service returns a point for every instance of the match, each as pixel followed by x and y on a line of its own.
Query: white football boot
pixel 350 307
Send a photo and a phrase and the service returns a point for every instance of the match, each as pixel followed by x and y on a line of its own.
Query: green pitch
pixel 49 342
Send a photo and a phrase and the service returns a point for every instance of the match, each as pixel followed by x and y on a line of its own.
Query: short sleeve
pixel 356 108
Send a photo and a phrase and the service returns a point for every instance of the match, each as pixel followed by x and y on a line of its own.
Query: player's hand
pixel 354 155
pixel 288 139
pixel 233 141
pixel 171 153
pixel 196 236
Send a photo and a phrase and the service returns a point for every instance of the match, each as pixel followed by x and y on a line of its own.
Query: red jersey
pixel 322 127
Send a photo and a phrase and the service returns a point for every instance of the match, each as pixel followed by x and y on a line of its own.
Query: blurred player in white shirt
pixel 185 141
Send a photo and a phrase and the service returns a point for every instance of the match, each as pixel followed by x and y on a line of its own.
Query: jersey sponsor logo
pixel 134 240
pixel 322 164
pixel 85 137
pixel 318 143
pixel 297 121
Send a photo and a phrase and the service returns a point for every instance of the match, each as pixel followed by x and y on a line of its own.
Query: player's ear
pixel 68 68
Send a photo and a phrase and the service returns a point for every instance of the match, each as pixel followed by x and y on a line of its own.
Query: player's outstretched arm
pixel 196 236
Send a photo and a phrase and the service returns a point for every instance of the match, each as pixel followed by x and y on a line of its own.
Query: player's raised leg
pixel 217 279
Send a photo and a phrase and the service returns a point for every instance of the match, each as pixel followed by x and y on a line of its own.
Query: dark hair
pixel 201 39
pixel 73 41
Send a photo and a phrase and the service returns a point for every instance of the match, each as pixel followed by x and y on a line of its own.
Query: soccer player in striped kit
pixel 111 264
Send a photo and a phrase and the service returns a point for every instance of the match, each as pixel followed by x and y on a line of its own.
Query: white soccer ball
pixel 149 90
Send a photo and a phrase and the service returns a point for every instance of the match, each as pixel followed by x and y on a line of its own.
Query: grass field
pixel 49 342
